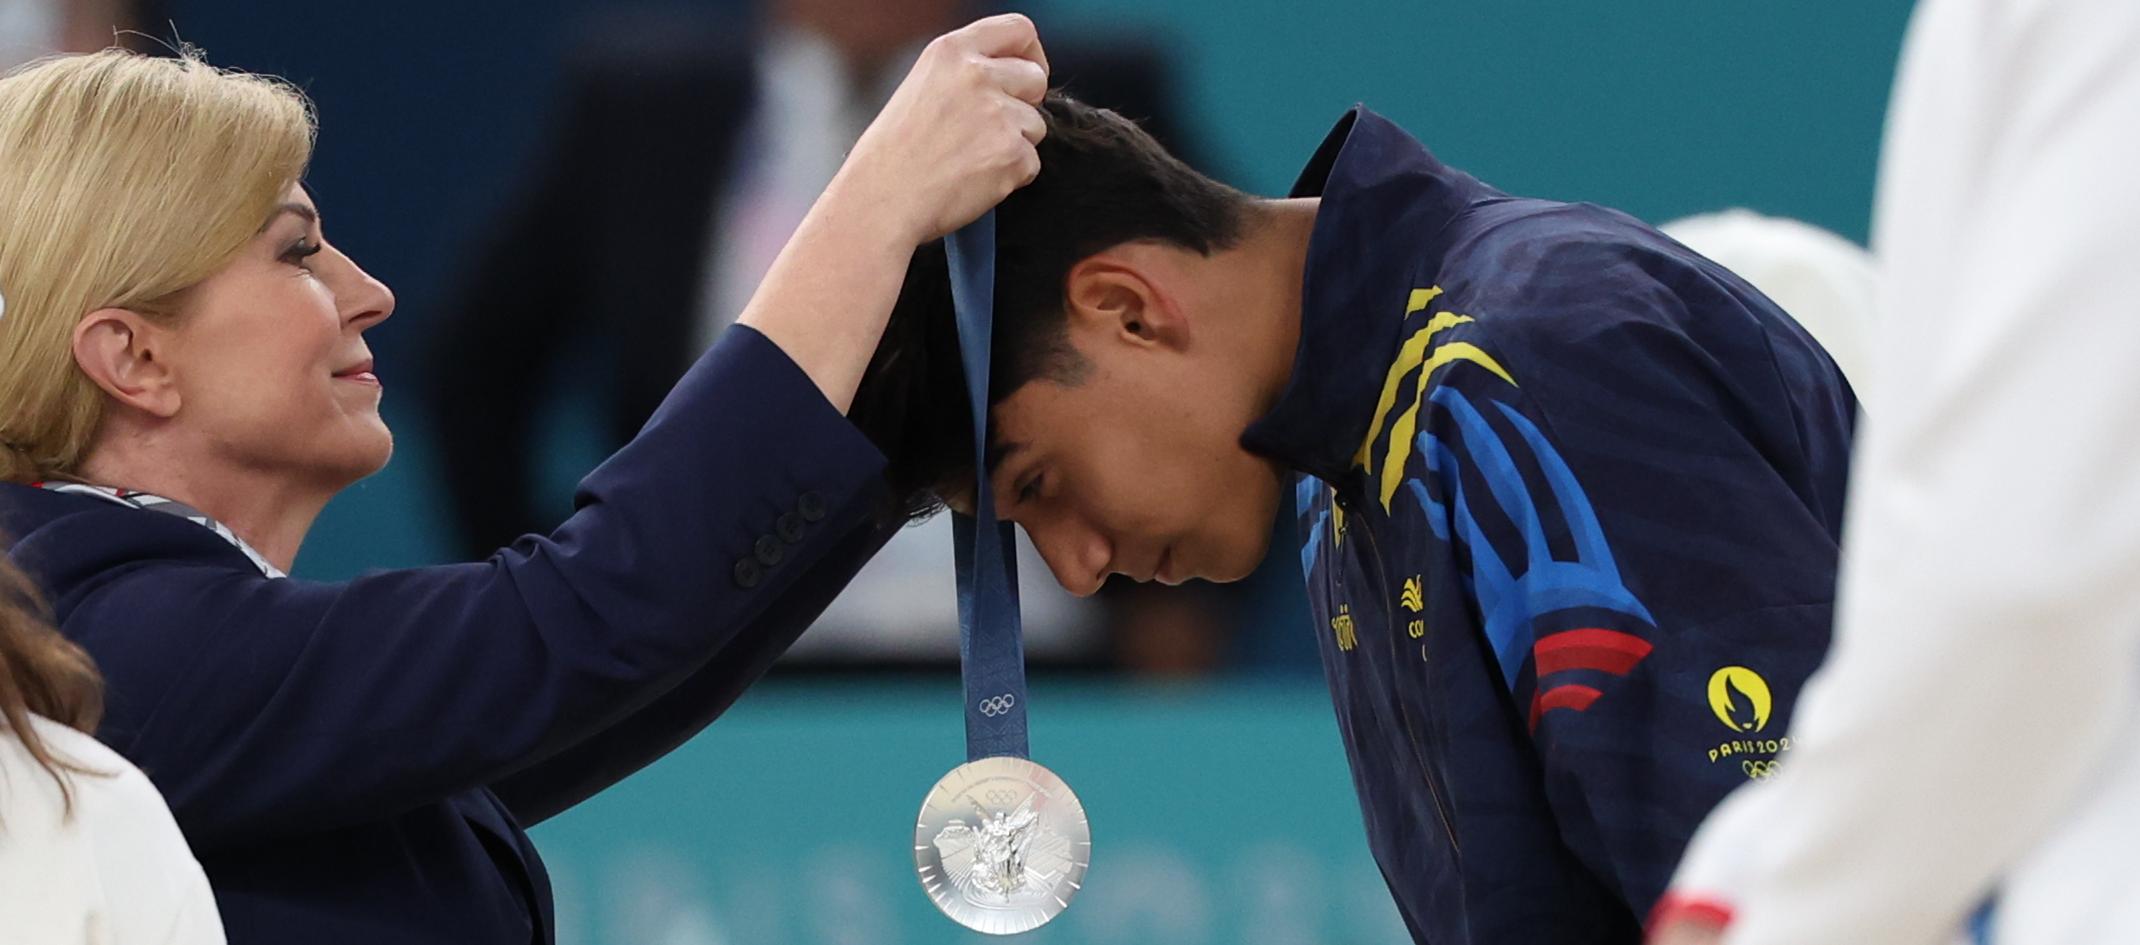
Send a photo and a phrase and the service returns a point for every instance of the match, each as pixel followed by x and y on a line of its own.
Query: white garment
pixel 114 872
pixel 1975 730
pixel 1824 282
pixel 903 604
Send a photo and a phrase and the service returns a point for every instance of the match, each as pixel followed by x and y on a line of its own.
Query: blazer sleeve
pixel 264 706
pixel 553 786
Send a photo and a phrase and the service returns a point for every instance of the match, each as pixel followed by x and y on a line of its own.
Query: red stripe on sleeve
pixel 1562 697
pixel 1678 907
pixel 1607 650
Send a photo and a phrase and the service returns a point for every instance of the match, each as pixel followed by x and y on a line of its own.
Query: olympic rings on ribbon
pixel 997 705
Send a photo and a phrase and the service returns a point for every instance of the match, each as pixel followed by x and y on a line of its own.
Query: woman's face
pixel 269 358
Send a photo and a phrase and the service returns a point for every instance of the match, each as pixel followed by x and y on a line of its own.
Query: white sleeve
pixel 1989 624
pixel 154 889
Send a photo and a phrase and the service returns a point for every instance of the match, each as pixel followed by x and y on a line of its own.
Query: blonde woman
pixel 88 852
pixel 184 383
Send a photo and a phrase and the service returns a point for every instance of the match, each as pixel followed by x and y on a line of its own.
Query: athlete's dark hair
pixel 1103 182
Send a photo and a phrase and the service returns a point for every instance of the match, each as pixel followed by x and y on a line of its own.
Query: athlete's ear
pixel 1122 296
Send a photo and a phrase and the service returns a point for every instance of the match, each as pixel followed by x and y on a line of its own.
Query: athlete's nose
pixel 1077 555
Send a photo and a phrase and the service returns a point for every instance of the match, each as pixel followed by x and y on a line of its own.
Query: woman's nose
pixel 365 301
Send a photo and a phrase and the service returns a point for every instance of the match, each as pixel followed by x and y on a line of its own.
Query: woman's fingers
pixel 1029 122
pixel 1022 79
pixel 1005 35
pixel 961 131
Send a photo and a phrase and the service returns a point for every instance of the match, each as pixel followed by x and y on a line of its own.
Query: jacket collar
pixel 1385 203
pixel 65 537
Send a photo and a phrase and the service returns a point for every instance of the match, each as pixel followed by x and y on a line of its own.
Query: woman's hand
pixel 959 134
pixel 955 139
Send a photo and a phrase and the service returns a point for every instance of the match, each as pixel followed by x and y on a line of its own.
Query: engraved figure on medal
pixel 1001 845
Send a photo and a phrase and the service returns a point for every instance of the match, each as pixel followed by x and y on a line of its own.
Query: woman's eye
pixel 1029 491
pixel 301 251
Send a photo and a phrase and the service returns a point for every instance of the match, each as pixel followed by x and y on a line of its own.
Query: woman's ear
pixel 125 353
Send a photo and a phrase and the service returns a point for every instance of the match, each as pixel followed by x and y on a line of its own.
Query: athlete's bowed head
pixel 1145 315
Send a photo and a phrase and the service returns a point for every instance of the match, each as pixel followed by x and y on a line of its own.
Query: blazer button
pixel 812 506
pixel 769 551
pixel 747 573
pixel 790 527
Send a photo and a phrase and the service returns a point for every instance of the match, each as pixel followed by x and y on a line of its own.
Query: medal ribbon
pixel 991 646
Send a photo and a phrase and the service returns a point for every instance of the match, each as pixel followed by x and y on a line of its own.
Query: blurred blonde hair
pixel 124 180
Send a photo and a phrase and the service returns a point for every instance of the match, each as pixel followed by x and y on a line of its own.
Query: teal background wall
pixel 1219 815
pixel 1657 107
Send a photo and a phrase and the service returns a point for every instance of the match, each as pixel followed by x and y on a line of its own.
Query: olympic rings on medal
pixel 996 705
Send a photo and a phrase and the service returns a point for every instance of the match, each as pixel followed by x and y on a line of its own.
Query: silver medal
pixel 1001 845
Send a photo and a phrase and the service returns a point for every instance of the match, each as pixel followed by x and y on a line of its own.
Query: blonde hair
pixel 124 180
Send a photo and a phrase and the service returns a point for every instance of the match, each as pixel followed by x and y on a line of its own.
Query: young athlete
pixel 1569 494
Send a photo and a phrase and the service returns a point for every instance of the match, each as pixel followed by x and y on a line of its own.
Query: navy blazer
pixel 355 762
